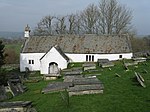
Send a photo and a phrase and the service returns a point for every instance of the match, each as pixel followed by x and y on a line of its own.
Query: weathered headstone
pixel 86 85
pixel 2 93
pixel 117 75
pixel 17 88
pixel 89 66
pixel 131 63
pixel 126 67
pixel 27 72
pixel 145 71
pixel 139 80
pixel 105 63
pixel 102 61
pixel 17 106
pixel 139 60
pixel 72 71
pixel 56 86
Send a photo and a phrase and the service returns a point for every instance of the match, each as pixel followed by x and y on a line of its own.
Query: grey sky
pixel 15 14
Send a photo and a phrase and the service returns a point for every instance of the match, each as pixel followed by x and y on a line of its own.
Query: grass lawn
pixel 16 47
pixel 121 94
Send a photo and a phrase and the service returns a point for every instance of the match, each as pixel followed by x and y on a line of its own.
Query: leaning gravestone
pixel 117 75
pixel 17 88
pixel 27 71
pixel 140 80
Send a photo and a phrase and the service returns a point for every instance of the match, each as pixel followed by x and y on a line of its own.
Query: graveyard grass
pixel 121 94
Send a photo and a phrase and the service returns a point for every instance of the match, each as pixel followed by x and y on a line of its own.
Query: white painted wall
pixel 24 61
pixel 82 57
pixel 52 56
pixel 26 34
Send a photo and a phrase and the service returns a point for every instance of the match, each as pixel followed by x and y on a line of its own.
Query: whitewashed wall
pixel 26 34
pixel 24 61
pixel 52 56
pixel 82 57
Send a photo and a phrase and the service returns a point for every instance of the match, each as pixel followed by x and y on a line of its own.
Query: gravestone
pixel 117 75
pixel 139 79
pixel 2 93
pixel 56 86
pixel 17 106
pixel 17 88
pixel 86 85
pixel 89 66
pixel 145 71
pixel 72 71
pixel 105 63
pixel 126 67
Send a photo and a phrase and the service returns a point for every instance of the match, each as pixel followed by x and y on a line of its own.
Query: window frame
pixel 31 62
pixel 120 56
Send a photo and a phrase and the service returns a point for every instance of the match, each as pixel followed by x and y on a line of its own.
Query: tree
pixel 12 57
pixel 60 26
pixel 89 19
pixel 2 57
pixel 109 17
pixel 44 27
pixel 72 23
pixel 113 17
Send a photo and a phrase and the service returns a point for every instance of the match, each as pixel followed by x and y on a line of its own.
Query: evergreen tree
pixel 1 53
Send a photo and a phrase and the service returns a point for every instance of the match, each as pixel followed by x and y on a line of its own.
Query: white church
pixel 44 53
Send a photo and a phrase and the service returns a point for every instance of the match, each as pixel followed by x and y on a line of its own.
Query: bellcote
pixel 27 31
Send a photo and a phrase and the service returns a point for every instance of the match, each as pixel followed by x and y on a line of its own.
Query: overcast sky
pixel 15 14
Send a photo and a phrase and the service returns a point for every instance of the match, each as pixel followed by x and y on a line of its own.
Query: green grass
pixel 121 94
pixel 71 65
pixel 16 47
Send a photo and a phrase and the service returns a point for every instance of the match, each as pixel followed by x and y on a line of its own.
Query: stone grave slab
pixel 140 80
pixel 105 63
pixel 17 106
pixel 56 86
pixel 16 89
pixel 86 85
pixel 89 66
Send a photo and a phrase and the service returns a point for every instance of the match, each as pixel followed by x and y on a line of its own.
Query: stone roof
pixel 79 44
pixel 61 52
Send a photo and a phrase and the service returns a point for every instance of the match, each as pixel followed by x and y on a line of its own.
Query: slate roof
pixel 61 52
pixel 79 44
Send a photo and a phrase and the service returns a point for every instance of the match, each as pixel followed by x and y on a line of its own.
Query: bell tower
pixel 27 31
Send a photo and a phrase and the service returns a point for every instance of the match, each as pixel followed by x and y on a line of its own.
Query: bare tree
pixel 109 17
pixel 60 25
pixel 72 23
pixel 89 19
pixel 113 17
pixel 44 27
